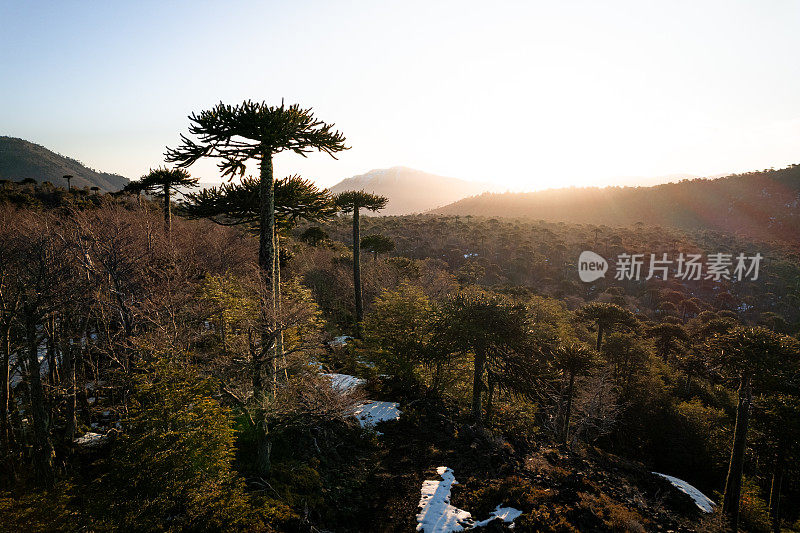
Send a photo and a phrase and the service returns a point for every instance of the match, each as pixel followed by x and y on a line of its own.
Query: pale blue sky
pixel 524 94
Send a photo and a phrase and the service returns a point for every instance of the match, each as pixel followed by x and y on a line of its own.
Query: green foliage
pixel 53 510
pixel 377 244
pixel 240 203
pixel 171 468
pixel 400 326
pixel 314 235
pixel 766 357
pixel 754 511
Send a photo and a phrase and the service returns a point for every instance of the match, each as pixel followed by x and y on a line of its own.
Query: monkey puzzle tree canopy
pixel 377 244
pixel 253 130
pixel 257 131
pixel 233 204
pixel 164 181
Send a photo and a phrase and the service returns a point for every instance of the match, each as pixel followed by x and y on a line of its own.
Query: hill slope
pixel 764 204
pixel 411 191
pixel 21 159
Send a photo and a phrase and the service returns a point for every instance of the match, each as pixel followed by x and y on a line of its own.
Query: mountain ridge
pixel 21 159
pixel 403 186
pixel 763 204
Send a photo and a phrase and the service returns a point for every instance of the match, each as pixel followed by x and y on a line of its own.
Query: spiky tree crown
pixel 239 203
pixel 252 130
pixel 348 201
pixel 157 179
pixel 768 357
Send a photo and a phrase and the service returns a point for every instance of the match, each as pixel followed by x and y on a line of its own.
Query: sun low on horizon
pixel 525 96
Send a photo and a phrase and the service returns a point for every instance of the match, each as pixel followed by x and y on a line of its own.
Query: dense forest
pixel 763 205
pixel 130 339
pixel 266 355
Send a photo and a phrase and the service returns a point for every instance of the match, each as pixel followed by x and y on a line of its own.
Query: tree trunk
pixel 68 367
pixel 357 273
pixel 167 213
pixel 599 336
pixel 733 483
pixel 489 396
pixel 568 409
pixel 43 449
pixel 777 482
pixel 276 288
pixel 5 382
pixel 262 388
pixel 477 386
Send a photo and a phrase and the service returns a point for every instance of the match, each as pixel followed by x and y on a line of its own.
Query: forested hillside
pixel 130 349
pixel 763 205
pixel 20 160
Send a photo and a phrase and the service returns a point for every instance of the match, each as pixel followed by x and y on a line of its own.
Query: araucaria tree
pixel 164 181
pixel 377 244
pixel 573 359
pixel 256 131
pixel 606 317
pixel 759 360
pixel 491 328
pixel 238 204
pixel 353 202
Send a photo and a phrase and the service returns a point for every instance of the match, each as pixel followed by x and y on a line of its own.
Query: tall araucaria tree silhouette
pixel 164 181
pixel 234 204
pixel 606 317
pixel 257 131
pixel 573 359
pixel 353 202
pixel 759 361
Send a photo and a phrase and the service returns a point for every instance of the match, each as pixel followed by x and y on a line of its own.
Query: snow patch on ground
pixel 340 341
pixel 437 515
pixel 703 502
pixel 344 382
pixel 506 514
pixel 370 413
pixel 90 439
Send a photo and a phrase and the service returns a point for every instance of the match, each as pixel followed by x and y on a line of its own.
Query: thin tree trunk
pixel 167 212
pixel 68 365
pixel 733 483
pixel 43 449
pixel 5 382
pixel 279 355
pixel 477 386
pixel 262 388
pixel 599 336
pixel 777 482
pixel 357 273
pixel 490 397
pixel 568 410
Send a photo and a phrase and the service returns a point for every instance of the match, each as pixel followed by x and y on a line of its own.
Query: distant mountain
pixel 21 159
pixel 411 191
pixel 764 204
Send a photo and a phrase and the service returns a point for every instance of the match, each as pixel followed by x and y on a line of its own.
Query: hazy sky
pixel 524 94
